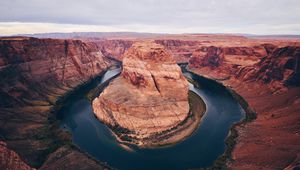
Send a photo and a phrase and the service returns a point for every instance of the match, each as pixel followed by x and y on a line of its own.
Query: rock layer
pixel 270 85
pixel 275 67
pixel 114 48
pixel 35 74
pixel 150 96
pixel 266 74
pixel 282 65
pixel 269 142
pixel 11 160
pixel 33 68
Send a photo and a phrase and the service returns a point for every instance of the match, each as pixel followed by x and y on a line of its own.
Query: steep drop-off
pixel 35 74
pixel 276 67
pixel 270 85
pixel 265 73
pixel 114 48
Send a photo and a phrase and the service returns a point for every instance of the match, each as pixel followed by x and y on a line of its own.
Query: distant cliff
pixel 276 66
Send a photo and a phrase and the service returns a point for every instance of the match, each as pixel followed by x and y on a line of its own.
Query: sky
pixel 156 16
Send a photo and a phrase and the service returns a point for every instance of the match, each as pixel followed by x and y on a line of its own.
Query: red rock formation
pixel 150 97
pixel 258 51
pixel 282 65
pixel 169 43
pixel 44 64
pixel 271 140
pixel 180 49
pixel 114 48
pixel 70 158
pixel 276 67
pixel 11 160
pixel 35 73
pixel 28 87
pixel 207 57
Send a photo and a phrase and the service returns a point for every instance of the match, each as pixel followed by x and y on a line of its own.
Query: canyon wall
pixel 267 76
pixel 280 65
pixel 35 74
pixel 10 160
pixel 181 49
pixel 33 68
pixel 274 63
pixel 114 48
pixel 276 67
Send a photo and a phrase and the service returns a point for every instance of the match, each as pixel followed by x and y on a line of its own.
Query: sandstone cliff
pixel 11 160
pixel 26 98
pixel 266 75
pixel 114 48
pixel 150 96
pixel 280 67
pixel 33 68
pixel 275 66
pixel 181 49
pixel 35 73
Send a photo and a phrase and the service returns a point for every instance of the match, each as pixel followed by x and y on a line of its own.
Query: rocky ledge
pixel 148 100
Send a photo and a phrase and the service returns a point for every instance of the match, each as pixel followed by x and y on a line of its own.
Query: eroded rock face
pixel 10 159
pixel 270 85
pixel 275 66
pixel 207 56
pixel 114 48
pixel 31 68
pixel 281 65
pixel 35 73
pixel 180 49
pixel 150 96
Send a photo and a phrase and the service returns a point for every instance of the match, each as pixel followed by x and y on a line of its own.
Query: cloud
pixel 12 28
pixel 263 16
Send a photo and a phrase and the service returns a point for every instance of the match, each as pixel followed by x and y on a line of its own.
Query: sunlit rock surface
pixel 150 96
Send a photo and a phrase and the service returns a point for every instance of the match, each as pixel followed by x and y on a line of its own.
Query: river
pixel 199 150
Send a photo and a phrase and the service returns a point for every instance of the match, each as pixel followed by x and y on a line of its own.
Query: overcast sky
pixel 159 16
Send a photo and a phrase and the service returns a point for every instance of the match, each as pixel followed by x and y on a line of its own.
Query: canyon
pixel 266 75
pixel 37 74
pixel 149 98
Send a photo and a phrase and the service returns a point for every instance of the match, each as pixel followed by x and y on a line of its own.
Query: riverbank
pixel 36 75
pixel 49 133
pixel 63 144
pixel 221 162
pixel 222 110
pixel 272 127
